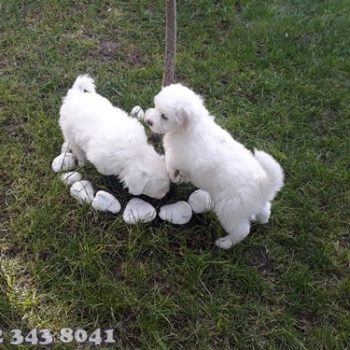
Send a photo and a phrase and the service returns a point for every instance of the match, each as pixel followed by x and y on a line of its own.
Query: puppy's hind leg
pixel 234 222
pixel 236 235
pixel 264 214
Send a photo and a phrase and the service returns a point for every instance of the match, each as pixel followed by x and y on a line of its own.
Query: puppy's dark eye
pixel 163 116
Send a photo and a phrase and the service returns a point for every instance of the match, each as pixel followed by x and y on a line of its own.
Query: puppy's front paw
pixel 224 242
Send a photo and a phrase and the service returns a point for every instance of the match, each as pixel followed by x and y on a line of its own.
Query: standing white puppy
pixel 241 184
pixel 113 142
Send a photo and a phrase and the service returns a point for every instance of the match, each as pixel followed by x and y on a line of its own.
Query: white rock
pixel 178 213
pixel 105 201
pixel 71 177
pixel 63 162
pixel 137 210
pixel 200 201
pixel 137 112
pixel 82 191
pixel 65 147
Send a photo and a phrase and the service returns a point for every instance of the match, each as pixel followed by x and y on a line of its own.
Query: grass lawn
pixel 277 76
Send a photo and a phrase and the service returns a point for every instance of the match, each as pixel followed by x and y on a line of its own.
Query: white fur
pixel 241 184
pixel 113 142
pixel 65 147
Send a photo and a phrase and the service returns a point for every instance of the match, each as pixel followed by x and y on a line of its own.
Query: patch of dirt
pixel 107 50
pixel 261 259
pixel 13 129
pixel 118 271
pixel 238 7
pixel 111 50
pixel 72 227
pixel 224 25
pixel 260 51
pixel 135 58
pixel 45 254
pixel 250 97
pixel 161 283
pixel 128 328
pixel 200 240
pixel 3 62
pixel 343 242
pixel 303 40
pixel 6 198
pixel 306 320
pixel 13 251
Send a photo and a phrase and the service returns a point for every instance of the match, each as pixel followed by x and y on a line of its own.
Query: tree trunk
pixel 170 48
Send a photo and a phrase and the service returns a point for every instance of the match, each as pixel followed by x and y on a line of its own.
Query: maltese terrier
pixel 241 184
pixel 113 142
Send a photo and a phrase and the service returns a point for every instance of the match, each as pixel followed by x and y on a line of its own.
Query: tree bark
pixel 170 45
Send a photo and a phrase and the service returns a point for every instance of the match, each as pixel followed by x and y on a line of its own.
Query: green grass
pixel 277 76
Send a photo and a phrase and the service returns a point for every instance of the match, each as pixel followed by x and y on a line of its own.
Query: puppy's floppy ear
pixel 182 116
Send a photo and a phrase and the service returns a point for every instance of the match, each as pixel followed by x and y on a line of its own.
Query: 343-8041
pixel 65 335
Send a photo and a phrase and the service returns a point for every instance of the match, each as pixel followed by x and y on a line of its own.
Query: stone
pixel 106 202
pixel 200 201
pixel 178 213
pixel 71 177
pixel 137 210
pixel 137 112
pixel 63 162
pixel 82 191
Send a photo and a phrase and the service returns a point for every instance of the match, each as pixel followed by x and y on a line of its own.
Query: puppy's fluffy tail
pixel 84 83
pixel 274 173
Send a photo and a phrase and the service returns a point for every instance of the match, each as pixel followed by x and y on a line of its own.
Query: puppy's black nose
pixel 149 122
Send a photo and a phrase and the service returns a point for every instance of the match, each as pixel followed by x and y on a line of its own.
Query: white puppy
pixel 113 142
pixel 240 183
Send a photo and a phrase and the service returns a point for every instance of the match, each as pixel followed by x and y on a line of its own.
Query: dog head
pixel 176 108
pixel 148 177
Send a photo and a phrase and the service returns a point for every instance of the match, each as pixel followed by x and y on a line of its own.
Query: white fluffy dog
pixel 113 142
pixel 241 184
